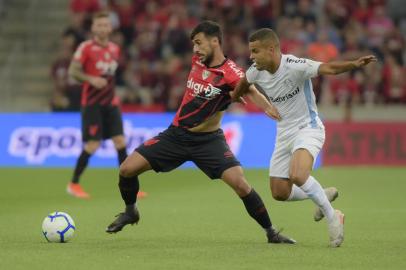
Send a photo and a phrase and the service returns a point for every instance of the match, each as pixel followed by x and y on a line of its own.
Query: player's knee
pixel 297 178
pixel 92 146
pixel 280 188
pixel 120 145
pixel 241 187
pixel 119 142
pixel 279 194
pixel 126 170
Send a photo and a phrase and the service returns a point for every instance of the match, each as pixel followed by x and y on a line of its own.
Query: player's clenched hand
pixel 233 96
pixel 238 99
pixel 365 60
pixel 98 82
pixel 242 101
pixel 272 112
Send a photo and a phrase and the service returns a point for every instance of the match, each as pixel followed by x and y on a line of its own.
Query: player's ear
pixel 270 49
pixel 93 26
pixel 215 41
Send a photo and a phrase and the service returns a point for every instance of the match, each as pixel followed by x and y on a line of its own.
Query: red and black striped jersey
pixel 207 92
pixel 98 61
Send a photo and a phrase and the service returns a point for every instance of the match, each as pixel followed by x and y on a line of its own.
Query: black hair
pixel 209 29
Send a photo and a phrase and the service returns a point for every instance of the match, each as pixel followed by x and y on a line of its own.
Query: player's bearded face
pixel 203 48
pixel 102 28
pixel 261 54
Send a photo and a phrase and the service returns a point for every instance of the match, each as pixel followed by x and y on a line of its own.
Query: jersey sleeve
pixel 80 54
pixel 307 68
pixel 251 74
pixel 235 74
pixel 312 68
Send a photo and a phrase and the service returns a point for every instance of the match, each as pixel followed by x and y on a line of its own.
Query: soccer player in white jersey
pixel 286 81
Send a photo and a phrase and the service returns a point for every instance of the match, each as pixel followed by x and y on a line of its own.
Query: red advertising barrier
pixel 371 143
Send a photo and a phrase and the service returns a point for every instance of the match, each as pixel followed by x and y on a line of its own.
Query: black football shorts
pixel 101 122
pixel 174 146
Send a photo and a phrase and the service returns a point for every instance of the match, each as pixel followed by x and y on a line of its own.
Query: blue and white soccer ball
pixel 58 227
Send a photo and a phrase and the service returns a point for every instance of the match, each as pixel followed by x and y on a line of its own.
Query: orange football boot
pixel 76 190
pixel 141 194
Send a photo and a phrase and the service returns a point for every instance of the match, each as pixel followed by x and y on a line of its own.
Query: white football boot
pixel 332 194
pixel 336 229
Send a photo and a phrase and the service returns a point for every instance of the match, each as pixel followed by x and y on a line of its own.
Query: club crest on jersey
pixel 107 56
pixel 289 83
pixel 205 74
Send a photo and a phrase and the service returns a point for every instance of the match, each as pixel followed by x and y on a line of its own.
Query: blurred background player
pixel 285 80
pixel 95 63
pixel 195 134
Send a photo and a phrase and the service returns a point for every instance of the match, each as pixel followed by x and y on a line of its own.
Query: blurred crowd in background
pixel 156 48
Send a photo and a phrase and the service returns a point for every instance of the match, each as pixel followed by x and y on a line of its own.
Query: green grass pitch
pixel 190 222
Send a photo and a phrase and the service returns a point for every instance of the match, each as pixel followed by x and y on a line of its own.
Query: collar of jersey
pixel 222 63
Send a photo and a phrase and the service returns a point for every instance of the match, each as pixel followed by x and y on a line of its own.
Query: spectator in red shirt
pixel 394 80
pixel 84 6
pixel 345 89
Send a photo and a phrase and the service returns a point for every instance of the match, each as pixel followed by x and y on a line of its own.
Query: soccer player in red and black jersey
pixel 195 134
pixel 94 63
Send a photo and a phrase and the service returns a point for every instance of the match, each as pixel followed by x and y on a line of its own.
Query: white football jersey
pixel 290 90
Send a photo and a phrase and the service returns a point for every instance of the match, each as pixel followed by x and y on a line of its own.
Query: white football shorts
pixel 311 139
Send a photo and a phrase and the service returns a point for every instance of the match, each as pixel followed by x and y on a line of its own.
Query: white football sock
pixel 316 193
pixel 297 194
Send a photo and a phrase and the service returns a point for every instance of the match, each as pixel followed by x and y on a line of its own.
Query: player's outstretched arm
pixel 261 101
pixel 337 67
